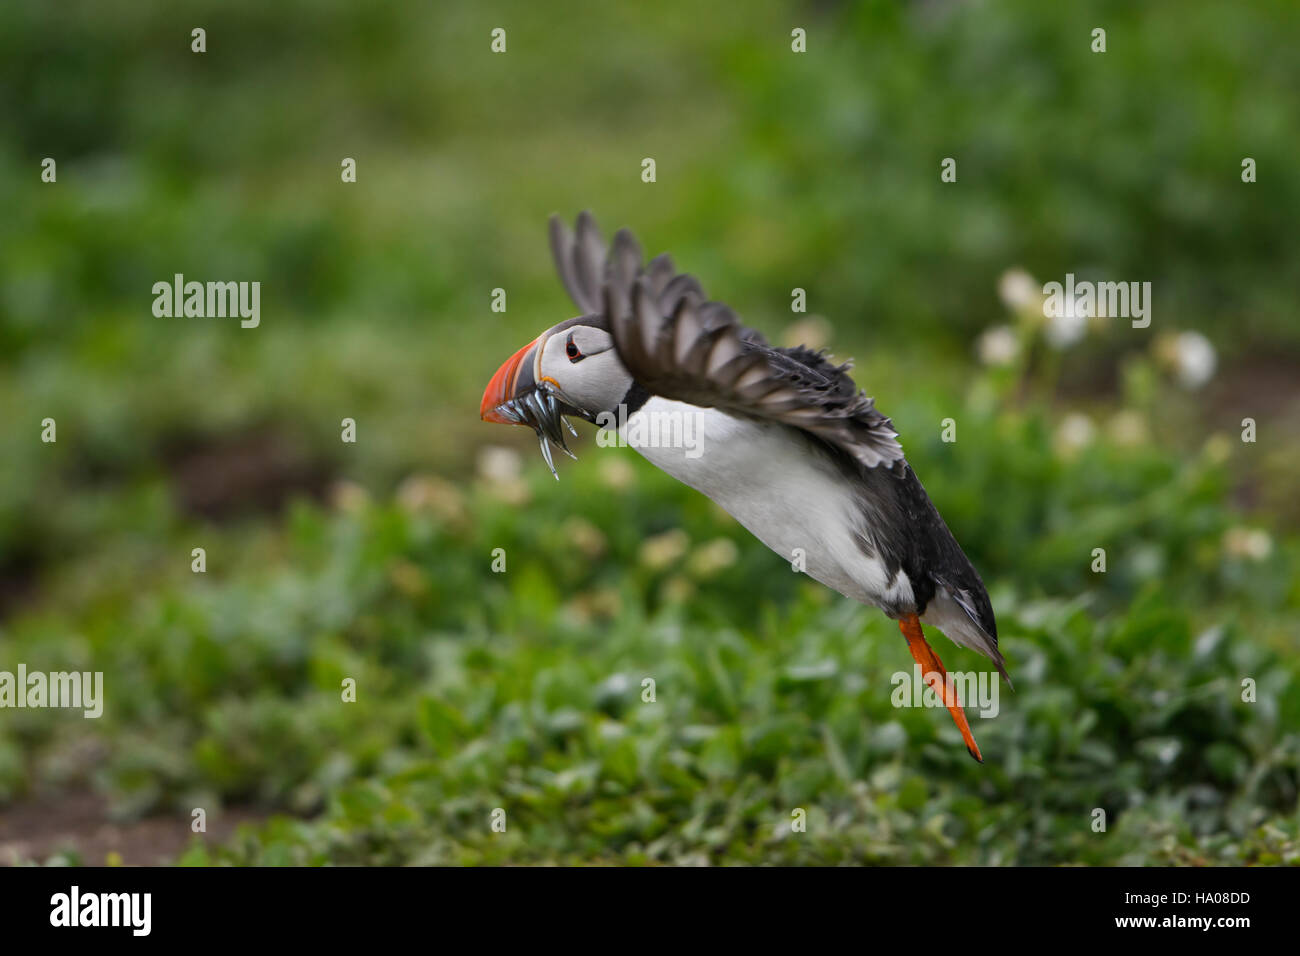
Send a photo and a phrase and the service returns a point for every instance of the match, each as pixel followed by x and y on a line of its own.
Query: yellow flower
pixel 421 493
pixel 1252 544
pixel 349 497
pixel 664 549
pixel 708 559
pixel 408 578
pixel 617 473
pixel 812 331
pixel 678 590
pixel 585 536
pixel 1128 428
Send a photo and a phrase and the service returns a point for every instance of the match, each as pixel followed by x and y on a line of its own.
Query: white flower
pixel 496 463
pixel 1250 543
pixel 1018 290
pixel 1075 433
pixel 500 468
pixel 1195 359
pixel 1066 326
pixel 998 346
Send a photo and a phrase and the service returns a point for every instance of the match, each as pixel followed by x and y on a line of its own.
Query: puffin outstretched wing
pixel 680 345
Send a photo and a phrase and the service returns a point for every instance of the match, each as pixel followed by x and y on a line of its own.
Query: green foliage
pixel 523 690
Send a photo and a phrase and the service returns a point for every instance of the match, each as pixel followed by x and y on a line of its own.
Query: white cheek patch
pixel 594 384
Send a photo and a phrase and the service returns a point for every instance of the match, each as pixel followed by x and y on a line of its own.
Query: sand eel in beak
pixel 787 443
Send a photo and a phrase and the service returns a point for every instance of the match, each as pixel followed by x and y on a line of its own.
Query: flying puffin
pixel 787 444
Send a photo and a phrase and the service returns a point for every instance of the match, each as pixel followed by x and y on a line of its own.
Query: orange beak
pixel 502 387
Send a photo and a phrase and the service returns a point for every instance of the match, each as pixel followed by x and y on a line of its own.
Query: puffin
pixel 784 440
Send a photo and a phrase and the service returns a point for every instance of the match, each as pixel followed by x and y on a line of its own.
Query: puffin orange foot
pixel 933 673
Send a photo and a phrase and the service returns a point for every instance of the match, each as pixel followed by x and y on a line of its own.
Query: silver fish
pixel 540 409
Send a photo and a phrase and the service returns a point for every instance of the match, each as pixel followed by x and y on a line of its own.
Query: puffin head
pixel 570 369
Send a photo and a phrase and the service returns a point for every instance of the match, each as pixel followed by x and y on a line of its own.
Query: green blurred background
pixel 522 690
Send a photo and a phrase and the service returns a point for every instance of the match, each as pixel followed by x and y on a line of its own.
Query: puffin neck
pixel 636 396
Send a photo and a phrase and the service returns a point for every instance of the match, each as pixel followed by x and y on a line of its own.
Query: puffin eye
pixel 572 351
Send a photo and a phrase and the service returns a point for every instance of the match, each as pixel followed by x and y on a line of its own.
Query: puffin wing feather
pixel 680 345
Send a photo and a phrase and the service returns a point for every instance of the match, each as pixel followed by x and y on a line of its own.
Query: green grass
pixel 522 690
